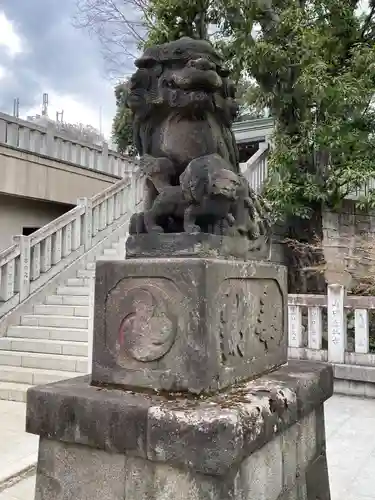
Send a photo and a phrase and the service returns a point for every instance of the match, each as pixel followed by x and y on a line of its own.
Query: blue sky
pixel 41 51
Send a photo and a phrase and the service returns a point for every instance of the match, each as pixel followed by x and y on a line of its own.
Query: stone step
pixel 11 391
pixel 86 273
pixel 77 282
pixel 73 290
pixel 45 346
pixel 33 376
pixel 32 332
pixel 44 361
pixel 56 321
pixel 60 310
pixel 113 257
pixel 68 300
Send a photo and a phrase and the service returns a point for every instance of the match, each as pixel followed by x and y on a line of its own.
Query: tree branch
pixel 368 21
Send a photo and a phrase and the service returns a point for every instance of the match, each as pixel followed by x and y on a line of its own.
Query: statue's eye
pixel 170 84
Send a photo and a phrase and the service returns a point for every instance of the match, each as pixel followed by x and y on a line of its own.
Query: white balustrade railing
pixel 29 136
pixel 255 169
pixel 33 260
pixel 329 319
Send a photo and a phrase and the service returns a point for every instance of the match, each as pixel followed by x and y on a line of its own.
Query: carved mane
pixel 151 101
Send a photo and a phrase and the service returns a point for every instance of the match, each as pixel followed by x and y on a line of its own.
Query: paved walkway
pixel 18 450
pixel 350 427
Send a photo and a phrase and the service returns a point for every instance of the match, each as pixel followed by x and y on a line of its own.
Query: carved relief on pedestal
pixel 232 325
pixel 249 310
pixel 146 320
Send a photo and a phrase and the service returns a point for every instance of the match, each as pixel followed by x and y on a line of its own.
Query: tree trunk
pixel 304 253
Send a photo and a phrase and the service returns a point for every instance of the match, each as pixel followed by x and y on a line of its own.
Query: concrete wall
pixel 40 177
pixel 17 213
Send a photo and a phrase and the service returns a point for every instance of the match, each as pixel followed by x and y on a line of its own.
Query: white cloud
pixel 8 36
pixel 3 72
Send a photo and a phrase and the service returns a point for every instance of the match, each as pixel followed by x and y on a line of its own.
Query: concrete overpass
pixel 43 173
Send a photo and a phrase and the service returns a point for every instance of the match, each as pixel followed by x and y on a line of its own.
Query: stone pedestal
pixel 191 324
pixel 190 396
pixel 260 440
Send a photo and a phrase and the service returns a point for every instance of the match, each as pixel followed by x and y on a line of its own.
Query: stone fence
pixel 335 328
pixel 255 169
pixel 46 141
pixel 33 260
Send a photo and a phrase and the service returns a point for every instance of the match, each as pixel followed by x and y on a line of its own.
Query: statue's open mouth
pixel 191 79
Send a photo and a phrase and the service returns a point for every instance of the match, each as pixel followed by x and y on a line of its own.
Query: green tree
pixel 314 64
pixel 171 19
pixel 310 62
pixel 122 130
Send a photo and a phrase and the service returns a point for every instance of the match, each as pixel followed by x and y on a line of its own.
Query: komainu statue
pixel 183 106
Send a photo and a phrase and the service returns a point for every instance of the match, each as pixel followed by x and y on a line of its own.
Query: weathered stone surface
pixel 201 245
pixel 260 476
pixel 183 105
pixel 317 480
pixel 207 435
pixel 71 472
pixel 72 411
pixel 199 432
pixel 187 324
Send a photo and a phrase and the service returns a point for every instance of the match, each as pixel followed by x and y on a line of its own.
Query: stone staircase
pixel 46 289
pixel 51 343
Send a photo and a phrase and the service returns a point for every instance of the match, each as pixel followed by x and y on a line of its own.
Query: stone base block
pixel 194 325
pixel 263 440
pixel 200 245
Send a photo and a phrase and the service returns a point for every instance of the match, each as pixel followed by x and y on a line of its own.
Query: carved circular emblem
pixel 148 330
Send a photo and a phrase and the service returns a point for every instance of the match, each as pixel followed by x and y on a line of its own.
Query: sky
pixel 42 52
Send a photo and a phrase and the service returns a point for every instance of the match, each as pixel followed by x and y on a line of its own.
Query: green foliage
pixel 122 129
pixel 313 63
pixel 168 20
pixel 250 107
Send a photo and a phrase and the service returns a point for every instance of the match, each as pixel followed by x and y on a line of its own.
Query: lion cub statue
pixel 210 198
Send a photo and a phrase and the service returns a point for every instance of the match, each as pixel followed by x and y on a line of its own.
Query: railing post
pixel 87 222
pixel 295 326
pixel 23 275
pixel 104 158
pixel 361 331
pixel 50 142
pixel 91 322
pixel 336 323
pixel 7 278
pixel 3 131
pixel 12 134
pixel 315 330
